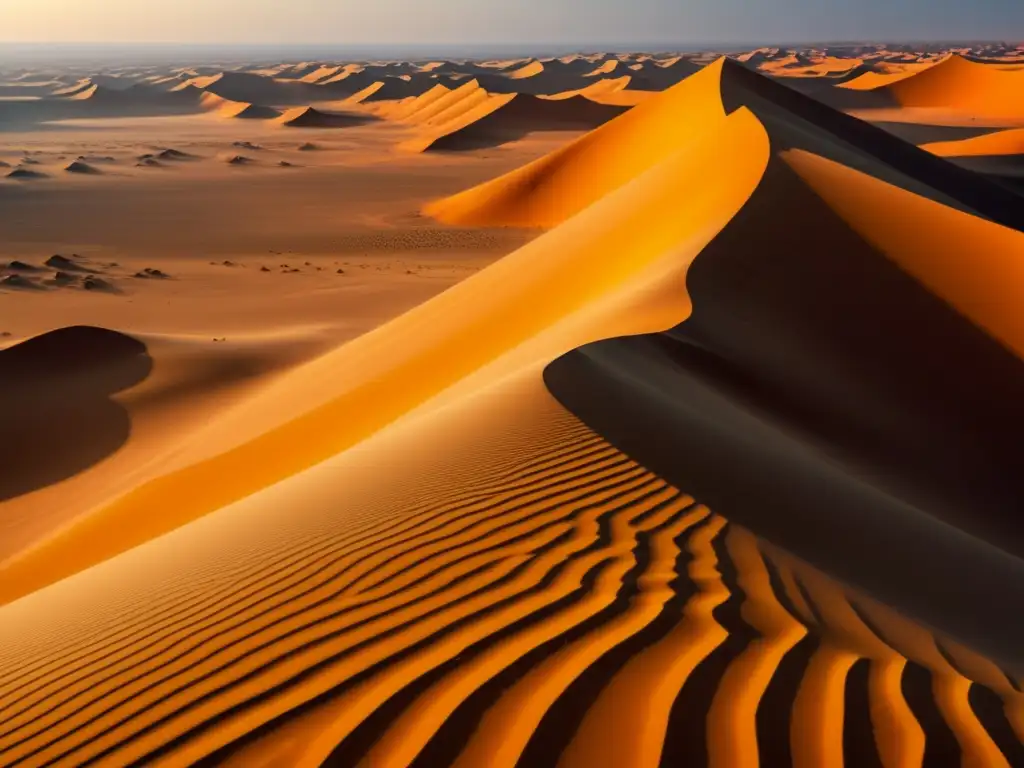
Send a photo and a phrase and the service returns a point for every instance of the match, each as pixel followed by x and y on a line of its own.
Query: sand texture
pixel 597 411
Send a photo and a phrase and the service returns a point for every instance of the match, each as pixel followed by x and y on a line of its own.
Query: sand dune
pixel 442 105
pixel 390 89
pixel 953 83
pixel 240 109
pixel 682 481
pixel 998 154
pixel 506 118
pixel 309 117
pixel 998 143
pixel 249 88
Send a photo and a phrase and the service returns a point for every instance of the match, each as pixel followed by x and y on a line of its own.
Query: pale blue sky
pixel 458 22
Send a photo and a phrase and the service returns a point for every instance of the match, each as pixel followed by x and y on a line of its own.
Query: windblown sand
pixel 606 410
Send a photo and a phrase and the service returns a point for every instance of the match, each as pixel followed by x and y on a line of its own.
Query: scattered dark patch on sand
pixel 21 266
pixel 98 284
pixel 24 174
pixel 150 273
pixel 63 279
pixel 65 264
pixel 83 168
pixel 247 145
pixel 20 282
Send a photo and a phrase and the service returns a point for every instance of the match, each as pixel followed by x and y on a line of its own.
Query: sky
pixel 447 23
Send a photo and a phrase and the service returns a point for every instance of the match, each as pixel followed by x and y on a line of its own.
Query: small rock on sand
pixel 21 266
pixel 79 167
pixel 97 284
pixel 18 281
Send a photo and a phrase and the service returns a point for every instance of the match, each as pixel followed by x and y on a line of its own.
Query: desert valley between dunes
pixel 612 410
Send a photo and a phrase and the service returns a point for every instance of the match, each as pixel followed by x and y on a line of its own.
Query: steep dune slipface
pixel 560 185
pixel 477 536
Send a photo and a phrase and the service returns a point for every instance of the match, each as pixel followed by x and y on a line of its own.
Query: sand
pixel 660 414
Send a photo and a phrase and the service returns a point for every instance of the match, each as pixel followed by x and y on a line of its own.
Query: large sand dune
pixel 720 469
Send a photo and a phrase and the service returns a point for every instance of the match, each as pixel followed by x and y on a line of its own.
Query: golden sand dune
pixel 532 69
pixel 441 105
pixel 609 67
pixel 998 143
pixel 681 481
pixel 558 186
pixel 320 74
pixel 408 109
pixel 953 83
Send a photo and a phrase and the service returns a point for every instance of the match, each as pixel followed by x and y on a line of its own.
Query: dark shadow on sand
pixel 58 415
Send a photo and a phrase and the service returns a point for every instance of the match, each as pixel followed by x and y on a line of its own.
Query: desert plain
pixel 611 409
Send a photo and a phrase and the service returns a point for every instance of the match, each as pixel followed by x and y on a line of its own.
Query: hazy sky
pixel 458 22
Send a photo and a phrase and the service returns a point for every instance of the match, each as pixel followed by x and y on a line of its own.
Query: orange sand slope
pixel 954 83
pixel 477 535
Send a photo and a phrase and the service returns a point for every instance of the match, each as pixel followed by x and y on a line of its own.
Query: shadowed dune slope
pixel 310 117
pixel 59 416
pixel 477 536
pixel 251 88
pixel 240 109
pixel 507 118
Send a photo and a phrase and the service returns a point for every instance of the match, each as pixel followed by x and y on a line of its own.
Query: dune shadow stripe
pixel 613 484
pixel 59 416
pixel 327 660
pixel 326 554
pixel 354 747
pixel 941 749
pixel 859 746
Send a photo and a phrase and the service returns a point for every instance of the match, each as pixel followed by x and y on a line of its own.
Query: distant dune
pixel 308 117
pixel 249 88
pixel 953 83
pixel 240 109
pixel 507 118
